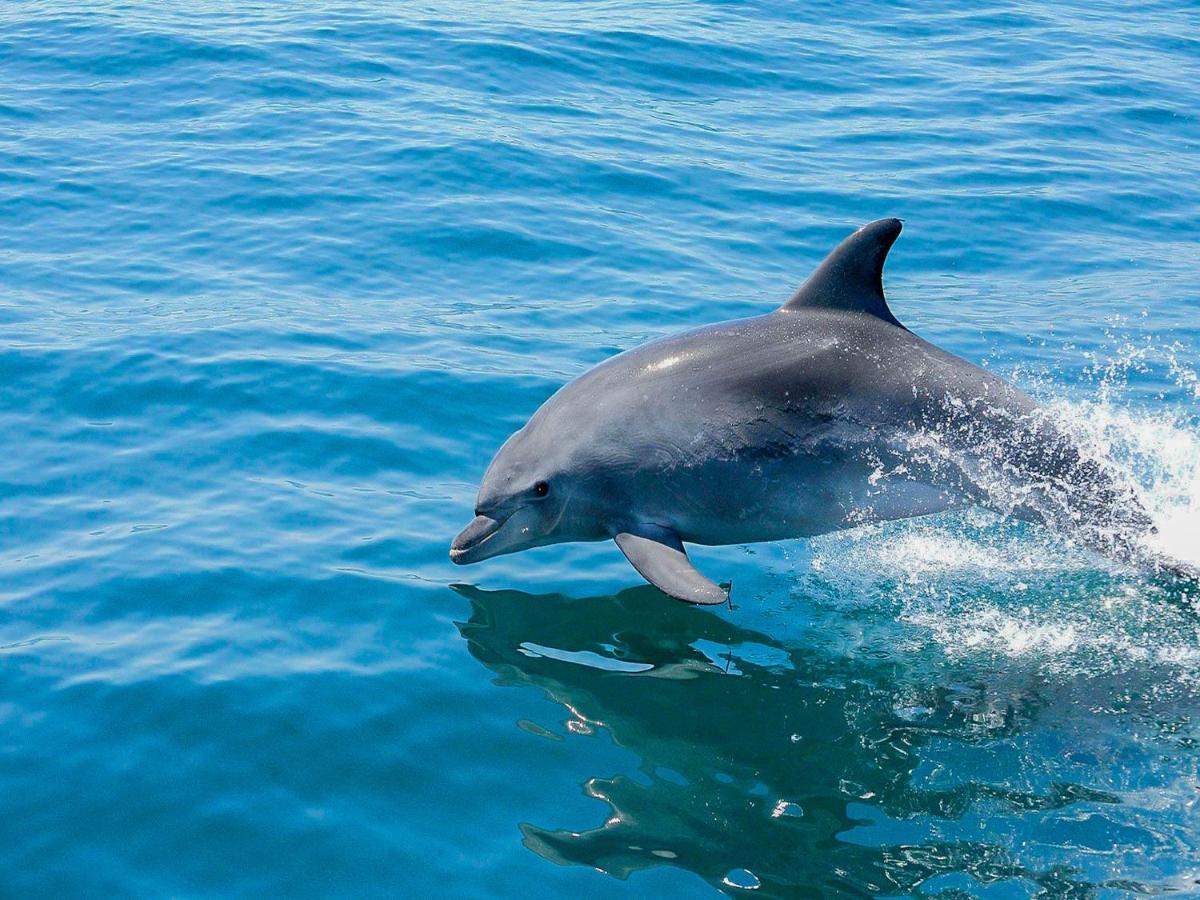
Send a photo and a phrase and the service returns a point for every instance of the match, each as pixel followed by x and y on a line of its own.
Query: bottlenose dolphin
pixel 822 415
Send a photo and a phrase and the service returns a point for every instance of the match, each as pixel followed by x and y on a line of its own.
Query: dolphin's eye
pixel 541 489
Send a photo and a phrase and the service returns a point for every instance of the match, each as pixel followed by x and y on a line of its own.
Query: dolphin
pixel 824 414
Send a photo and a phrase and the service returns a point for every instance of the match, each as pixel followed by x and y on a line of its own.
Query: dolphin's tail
pixel 1162 563
pixel 1181 570
pixel 1135 547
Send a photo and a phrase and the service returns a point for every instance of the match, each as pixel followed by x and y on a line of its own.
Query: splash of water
pixel 977 583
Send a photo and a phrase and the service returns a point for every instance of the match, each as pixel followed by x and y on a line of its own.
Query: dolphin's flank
pixel 822 415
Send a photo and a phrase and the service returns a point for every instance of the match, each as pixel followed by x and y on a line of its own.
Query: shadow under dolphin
pixel 784 768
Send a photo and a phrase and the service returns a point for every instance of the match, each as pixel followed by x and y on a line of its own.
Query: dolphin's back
pixel 775 380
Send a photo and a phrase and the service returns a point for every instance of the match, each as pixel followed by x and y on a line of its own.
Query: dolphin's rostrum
pixel 822 415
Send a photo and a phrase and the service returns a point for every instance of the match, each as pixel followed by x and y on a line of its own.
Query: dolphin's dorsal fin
pixel 851 277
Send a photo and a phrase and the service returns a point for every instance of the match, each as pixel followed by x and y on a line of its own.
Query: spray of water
pixel 977 583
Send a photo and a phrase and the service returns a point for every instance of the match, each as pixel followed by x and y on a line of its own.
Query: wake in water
pixel 1157 449
pixel 982 583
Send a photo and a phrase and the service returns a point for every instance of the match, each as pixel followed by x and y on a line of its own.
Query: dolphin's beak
pixel 471 544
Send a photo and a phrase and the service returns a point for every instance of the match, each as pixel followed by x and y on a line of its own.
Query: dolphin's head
pixel 531 495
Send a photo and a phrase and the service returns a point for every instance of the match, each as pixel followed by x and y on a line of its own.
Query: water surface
pixel 275 283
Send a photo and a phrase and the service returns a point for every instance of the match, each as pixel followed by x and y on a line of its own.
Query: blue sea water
pixel 277 279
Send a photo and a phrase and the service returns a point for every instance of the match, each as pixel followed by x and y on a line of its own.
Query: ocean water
pixel 277 279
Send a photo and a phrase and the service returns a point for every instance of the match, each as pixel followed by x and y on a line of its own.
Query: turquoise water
pixel 276 282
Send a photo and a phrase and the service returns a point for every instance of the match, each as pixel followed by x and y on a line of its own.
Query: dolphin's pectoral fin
pixel 658 555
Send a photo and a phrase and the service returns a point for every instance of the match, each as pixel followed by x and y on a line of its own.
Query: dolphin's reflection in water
pixel 771 762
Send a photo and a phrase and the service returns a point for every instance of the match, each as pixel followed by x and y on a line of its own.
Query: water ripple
pixel 276 282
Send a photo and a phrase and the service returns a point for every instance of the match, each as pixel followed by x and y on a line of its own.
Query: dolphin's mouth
pixel 470 545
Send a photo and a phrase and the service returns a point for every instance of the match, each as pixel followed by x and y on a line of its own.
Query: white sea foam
pixel 978 584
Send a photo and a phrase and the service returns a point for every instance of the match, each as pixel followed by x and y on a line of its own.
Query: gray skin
pixel 822 415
